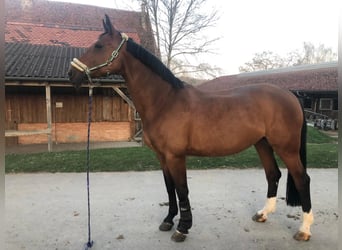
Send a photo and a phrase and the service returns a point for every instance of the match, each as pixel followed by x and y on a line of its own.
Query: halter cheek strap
pixel 77 64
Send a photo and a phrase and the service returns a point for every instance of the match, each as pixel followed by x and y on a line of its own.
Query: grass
pixel 321 153
pixel 316 136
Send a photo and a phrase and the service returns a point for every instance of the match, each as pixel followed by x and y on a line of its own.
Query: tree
pixel 263 61
pixel 200 71
pixel 312 54
pixel 308 55
pixel 179 29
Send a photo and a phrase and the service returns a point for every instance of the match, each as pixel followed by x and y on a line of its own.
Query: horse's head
pixel 102 58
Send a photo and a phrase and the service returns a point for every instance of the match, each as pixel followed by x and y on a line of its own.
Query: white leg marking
pixel 270 207
pixel 308 219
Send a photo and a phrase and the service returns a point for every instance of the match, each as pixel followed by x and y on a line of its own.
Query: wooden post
pixel 48 115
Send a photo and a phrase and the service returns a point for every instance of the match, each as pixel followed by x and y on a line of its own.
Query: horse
pixel 180 120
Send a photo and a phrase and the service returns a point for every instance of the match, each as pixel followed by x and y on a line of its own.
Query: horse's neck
pixel 148 91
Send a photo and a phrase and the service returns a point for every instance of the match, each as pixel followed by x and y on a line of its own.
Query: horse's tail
pixel 292 195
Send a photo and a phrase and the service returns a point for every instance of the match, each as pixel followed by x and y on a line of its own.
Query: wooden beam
pixel 123 96
pixel 12 133
pixel 60 84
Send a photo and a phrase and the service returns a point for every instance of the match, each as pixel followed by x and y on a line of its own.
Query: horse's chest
pixel 156 138
pixel 147 140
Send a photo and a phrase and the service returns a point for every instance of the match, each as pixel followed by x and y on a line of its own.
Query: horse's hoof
pixel 301 236
pixel 165 226
pixel 178 237
pixel 259 218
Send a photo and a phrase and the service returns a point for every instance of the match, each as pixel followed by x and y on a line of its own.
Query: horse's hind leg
pixel 273 175
pixel 301 180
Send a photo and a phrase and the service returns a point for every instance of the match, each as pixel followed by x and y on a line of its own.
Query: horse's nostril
pixel 70 73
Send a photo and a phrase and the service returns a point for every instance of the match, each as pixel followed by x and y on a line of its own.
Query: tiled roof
pixel 39 34
pixel 319 77
pixel 40 62
pixel 62 14
pixel 50 23
pixel 42 36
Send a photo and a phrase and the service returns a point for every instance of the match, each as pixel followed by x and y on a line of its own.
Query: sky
pixel 247 27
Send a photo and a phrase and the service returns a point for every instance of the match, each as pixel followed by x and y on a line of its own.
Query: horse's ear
pixel 104 26
pixel 107 25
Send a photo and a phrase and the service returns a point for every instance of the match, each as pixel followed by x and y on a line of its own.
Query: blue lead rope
pixel 90 243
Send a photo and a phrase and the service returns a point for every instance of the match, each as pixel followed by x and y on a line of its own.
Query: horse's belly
pixel 219 144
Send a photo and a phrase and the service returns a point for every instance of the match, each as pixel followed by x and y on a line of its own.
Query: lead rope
pixel 90 243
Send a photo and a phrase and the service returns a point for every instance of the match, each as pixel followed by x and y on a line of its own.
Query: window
pixel 325 104
pixel 307 103
pixel 335 106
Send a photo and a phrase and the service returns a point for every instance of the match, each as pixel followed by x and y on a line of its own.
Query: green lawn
pixel 321 153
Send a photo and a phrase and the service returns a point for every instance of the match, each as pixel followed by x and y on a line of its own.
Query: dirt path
pixel 48 211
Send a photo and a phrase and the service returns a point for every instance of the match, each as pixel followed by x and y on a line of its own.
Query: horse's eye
pixel 98 46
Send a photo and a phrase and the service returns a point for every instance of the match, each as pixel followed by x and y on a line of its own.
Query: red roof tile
pixel 46 22
pixel 39 34
pixel 69 14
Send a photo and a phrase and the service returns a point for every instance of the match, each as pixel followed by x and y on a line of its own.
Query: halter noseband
pixel 84 68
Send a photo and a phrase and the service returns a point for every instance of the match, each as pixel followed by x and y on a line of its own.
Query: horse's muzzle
pixel 76 77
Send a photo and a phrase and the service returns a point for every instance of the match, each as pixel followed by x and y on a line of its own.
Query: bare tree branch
pixel 179 27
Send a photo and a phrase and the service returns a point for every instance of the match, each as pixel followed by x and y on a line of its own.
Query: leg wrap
pixel 185 222
pixel 169 219
pixel 173 211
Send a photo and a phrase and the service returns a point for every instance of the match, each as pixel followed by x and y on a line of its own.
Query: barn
pixel 41 106
pixel 315 86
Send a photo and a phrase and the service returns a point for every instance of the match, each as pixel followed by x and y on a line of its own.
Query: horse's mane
pixel 153 63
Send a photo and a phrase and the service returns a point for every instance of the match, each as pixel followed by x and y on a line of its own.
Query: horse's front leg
pixel 167 223
pixel 177 169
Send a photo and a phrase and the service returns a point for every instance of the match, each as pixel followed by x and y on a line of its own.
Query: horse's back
pixel 261 98
pixel 229 121
pixel 265 97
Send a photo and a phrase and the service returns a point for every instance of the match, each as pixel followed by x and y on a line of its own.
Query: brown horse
pixel 180 120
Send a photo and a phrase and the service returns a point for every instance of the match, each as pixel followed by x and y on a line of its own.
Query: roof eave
pixel 59 80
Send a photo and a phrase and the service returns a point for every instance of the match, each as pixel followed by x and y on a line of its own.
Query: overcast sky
pixel 249 26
